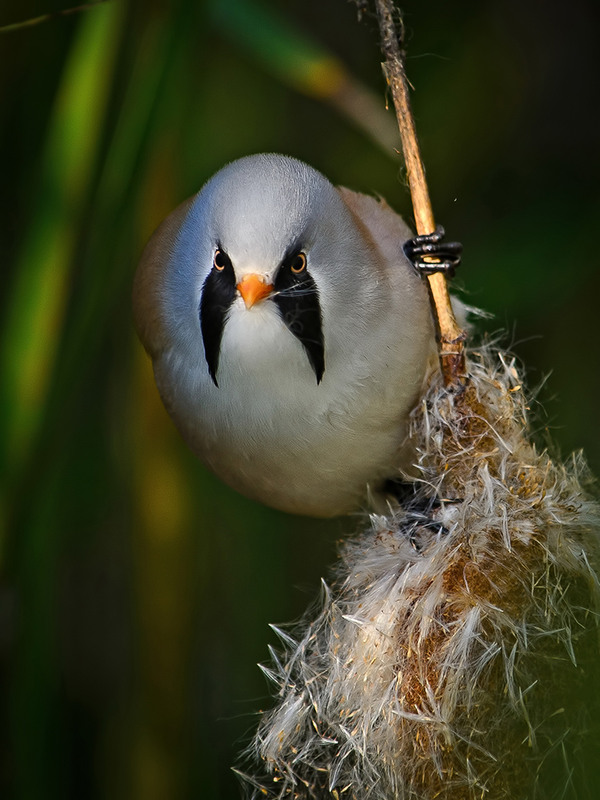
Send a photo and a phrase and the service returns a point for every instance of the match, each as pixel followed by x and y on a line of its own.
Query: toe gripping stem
pixel 428 253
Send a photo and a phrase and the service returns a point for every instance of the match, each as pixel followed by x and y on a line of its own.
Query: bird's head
pixel 267 238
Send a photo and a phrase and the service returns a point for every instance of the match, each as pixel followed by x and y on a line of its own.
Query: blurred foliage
pixel 136 589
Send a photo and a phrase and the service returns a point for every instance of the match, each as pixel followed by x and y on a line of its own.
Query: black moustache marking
pixel 295 295
pixel 297 298
pixel 218 293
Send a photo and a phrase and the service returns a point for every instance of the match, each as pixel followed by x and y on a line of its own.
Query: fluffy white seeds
pixel 451 656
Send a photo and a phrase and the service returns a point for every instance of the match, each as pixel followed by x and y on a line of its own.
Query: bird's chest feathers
pixel 267 391
pixel 258 349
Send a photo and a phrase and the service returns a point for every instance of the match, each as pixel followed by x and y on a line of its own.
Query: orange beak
pixel 253 289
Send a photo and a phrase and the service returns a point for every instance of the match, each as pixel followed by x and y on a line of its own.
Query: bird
pixel 290 335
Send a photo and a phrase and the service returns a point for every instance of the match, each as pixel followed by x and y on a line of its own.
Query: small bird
pixel 290 335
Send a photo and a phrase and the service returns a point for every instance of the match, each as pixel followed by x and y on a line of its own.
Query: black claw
pixel 430 246
pixel 408 496
pixel 419 510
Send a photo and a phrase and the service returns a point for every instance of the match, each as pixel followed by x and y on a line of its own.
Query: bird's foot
pixel 409 496
pixel 428 253
pixel 421 511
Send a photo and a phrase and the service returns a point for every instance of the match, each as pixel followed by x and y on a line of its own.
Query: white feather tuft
pixel 450 657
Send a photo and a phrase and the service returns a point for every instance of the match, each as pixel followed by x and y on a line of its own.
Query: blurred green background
pixel 136 589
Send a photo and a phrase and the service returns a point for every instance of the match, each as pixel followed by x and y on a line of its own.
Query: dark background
pixel 136 589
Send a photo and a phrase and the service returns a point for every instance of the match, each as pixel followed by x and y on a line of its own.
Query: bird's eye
pixel 298 263
pixel 220 260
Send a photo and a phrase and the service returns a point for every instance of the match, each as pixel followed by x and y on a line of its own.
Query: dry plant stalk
pixel 452 337
pixel 32 21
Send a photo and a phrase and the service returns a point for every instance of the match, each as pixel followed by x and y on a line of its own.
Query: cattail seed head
pixel 450 657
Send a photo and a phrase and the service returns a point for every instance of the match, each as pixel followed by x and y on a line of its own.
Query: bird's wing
pixel 380 224
pixel 149 281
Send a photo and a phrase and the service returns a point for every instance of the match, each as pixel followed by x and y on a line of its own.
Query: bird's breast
pixel 258 347
pixel 273 433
